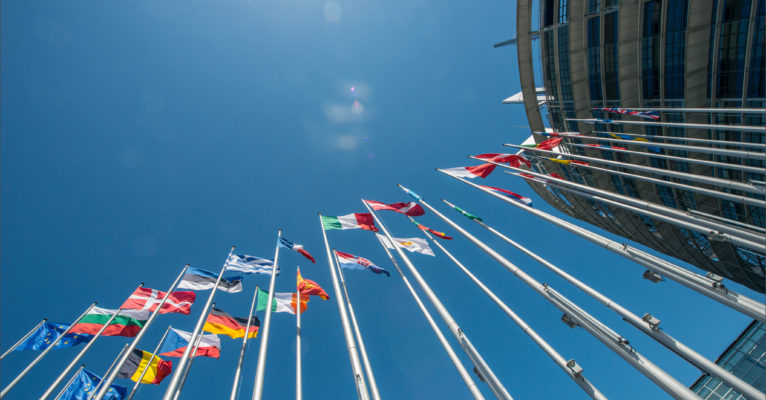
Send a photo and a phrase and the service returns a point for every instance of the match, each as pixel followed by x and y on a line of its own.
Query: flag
pixel 199 279
pixel 512 159
pixel 626 137
pixel 467 214
pixel 46 333
pixel 128 323
pixel 567 162
pixel 219 322
pixel 83 387
pixel 148 299
pixel 413 245
pixel 508 193
pixel 177 341
pixel 603 145
pixel 310 288
pixel 297 247
pixel 351 261
pixel 412 194
pixel 557 176
pixel 138 360
pixel 482 171
pixel 433 232
pixel 645 114
pixel 350 221
pixel 412 209
pixel 250 264
pixel 549 144
pixel 283 302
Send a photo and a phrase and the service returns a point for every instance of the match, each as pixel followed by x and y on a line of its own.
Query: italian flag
pixel 127 323
pixel 481 171
pixel 350 221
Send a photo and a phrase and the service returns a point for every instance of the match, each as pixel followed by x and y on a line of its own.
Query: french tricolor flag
pixel 297 247
pixel 508 193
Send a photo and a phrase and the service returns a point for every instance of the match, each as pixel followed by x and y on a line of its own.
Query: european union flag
pixel 84 385
pixel 47 333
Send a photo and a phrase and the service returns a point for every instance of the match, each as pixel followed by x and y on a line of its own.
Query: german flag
pixel 219 322
pixel 138 360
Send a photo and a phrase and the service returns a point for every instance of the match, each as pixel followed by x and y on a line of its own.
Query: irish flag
pixel 508 193
pixel 283 302
pixel 481 171
pixel 127 323
pixel 350 221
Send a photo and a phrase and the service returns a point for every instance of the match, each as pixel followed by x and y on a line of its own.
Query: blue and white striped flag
pixel 250 264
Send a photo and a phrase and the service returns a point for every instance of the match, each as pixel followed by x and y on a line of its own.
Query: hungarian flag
pixel 508 193
pixel 433 232
pixel 549 144
pixel 138 360
pixel 412 209
pixel 297 247
pixel 219 322
pixel 481 171
pixel 512 159
pixel 177 341
pixel 350 221
pixel 148 300
pixel 310 288
pixel 351 261
pixel 282 302
pixel 127 323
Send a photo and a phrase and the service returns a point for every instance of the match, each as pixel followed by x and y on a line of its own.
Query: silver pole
pixel 356 365
pixel 238 372
pixel 649 325
pixel 108 370
pixel 741 128
pixel 298 369
pixel 261 368
pixel 374 393
pixel 579 379
pixel 192 357
pixel 727 221
pixel 42 354
pixel 146 368
pixel 691 140
pixel 23 338
pixel 63 389
pixel 700 284
pixel 475 392
pixel 77 358
pixel 702 110
pixel 494 384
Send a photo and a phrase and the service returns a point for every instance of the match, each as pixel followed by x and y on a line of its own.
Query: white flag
pixel 413 245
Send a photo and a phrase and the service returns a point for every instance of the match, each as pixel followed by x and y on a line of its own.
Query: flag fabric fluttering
pixel 481 171
pixel 350 221
pixel 138 360
pixel 438 234
pixel 177 341
pixel 283 242
pixel 652 149
pixel 413 245
pixel 283 302
pixel 466 213
pixel 310 288
pixel 411 208
pixel 44 335
pixel 605 146
pixel 509 194
pixel 220 322
pixel 148 299
pixel 549 144
pixel 250 264
pixel 513 160
pixel 651 114
pixel 567 162
pixel 199 279
pixel 128 323
pixel 351 261
pixel 83 387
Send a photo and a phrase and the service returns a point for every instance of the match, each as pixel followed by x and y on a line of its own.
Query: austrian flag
pixel 148 300
pixel 412 209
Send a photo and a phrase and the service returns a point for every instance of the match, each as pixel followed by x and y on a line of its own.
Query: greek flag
pixel 250 264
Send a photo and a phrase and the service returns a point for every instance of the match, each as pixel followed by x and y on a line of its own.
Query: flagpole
pixel 260 370
pixel 146 367
pixel 238 372
pixel 173 386
pixel 494 384
pixel 576 376
pixel 356 366
pixel 648 325
pixel 77 358
pixel 298 366
pixel 63 389
pixel 469 382
pixel 108 370
pixel 43 354
pixel 23 338
pixel 701 110
pixel 192 357
pixel 667 138
pixel 374 393
pixel 698 283
pixel 716 127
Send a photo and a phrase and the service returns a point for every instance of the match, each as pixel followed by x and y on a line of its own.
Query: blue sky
pixel 140 136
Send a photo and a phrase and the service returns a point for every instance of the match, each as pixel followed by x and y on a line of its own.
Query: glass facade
pixel 594 59
pixel 650 50
pixel 732 49
pixel 675 45
pixel 611 77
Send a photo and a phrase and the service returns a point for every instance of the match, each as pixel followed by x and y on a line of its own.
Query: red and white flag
pixel 512 159
pixel 148 300
pixel 412 209
pixel 480 171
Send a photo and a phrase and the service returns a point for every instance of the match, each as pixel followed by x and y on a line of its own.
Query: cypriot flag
pixel 413 245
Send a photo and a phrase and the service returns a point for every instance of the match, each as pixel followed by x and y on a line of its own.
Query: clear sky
pixel 139 136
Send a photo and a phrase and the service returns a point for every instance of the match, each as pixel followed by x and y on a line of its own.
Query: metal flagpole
pixel 727 221
pixel 667 138
pixel 42 354
pixel 260 371
pixel 494 384
pixel 63 389
pixel 23 338
pixel 698 283
pixel 173 386
pixel 569 367
pixel 374 393
pixel 617 343
pixel 192 357
pixel 77 358
pixel 146 367
pixel 353 355
pixel 741 128
pixel 648 324
pixel 702 110
pixel 475 392
pixel 298 369
pixel 238 372
pixel 108 370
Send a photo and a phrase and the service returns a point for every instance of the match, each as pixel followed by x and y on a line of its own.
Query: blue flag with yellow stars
pixel 84 385
pixel 47 333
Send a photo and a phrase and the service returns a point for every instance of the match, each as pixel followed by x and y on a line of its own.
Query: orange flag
pixel 309 287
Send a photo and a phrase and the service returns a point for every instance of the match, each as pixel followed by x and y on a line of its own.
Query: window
pixel 650 50
pixel 755 81
pixel 675 48
pixel 594 58
pixel 611 78
pixel 732 48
